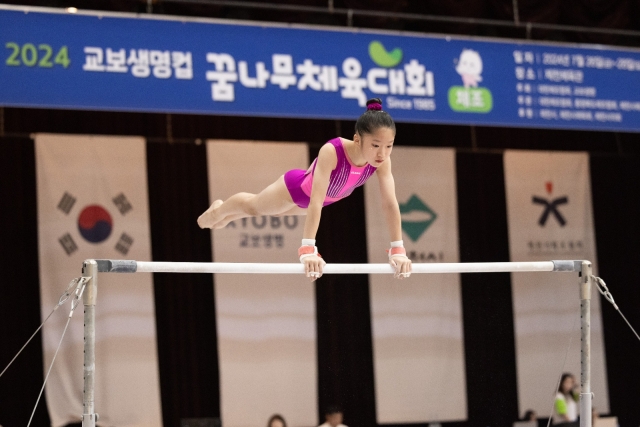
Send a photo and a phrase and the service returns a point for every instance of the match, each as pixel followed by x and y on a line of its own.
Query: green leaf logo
pixel 381 57
pixel 417 217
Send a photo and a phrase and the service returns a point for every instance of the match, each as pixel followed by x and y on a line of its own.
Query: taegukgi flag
pixel 550 217
pixel 417 322
pixel 266 323
pixel 93 203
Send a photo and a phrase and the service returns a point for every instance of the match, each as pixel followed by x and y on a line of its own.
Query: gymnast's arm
pixel 327 161
pixel 391 210
pixel 389 202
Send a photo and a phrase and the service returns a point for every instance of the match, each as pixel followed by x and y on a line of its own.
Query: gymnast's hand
pixel 313 266
pixel 401 265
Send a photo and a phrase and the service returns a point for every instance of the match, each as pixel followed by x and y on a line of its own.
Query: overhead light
pixel 72 9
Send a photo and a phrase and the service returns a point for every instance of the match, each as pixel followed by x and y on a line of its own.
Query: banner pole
pixel 586 279
pixel 89 269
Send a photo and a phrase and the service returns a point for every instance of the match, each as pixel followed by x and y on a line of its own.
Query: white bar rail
pixel 126 266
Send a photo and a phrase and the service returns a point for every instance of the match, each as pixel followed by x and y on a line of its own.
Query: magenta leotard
pixel 344 178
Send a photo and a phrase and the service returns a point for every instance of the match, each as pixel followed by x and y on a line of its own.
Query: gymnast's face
pixel 376 146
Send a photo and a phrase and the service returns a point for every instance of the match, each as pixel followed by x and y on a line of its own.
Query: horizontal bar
pixel 128 266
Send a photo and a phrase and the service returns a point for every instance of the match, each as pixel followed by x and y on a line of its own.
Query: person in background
pixel 276 420
pixel 594 416
pixel 333 417
pixel 565 411
pixel 530 415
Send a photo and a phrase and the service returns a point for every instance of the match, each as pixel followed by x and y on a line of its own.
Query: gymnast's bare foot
pixel 207 219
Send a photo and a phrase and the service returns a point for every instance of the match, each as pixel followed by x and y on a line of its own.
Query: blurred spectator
pixel 333 417
pixel 530 415
pixel 276 420
pixel 565 411
pixel 594 416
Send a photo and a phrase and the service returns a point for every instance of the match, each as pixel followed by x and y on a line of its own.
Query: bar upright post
pixel 585 341
pixel 89 269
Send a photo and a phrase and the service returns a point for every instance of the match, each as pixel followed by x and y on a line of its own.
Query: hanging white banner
pixel 550 217
pixel 266 324
pixel 93 203
pixel 417 323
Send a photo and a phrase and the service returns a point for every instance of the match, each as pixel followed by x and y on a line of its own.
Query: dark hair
pixel 528 416
pixel 333 409
pixel 374 118
pixel 277 417
pixel 564 377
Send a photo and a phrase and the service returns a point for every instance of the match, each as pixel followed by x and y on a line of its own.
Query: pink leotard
pixel 343 180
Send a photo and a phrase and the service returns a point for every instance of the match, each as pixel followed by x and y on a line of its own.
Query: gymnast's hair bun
pixel 374 118
pixel 374 104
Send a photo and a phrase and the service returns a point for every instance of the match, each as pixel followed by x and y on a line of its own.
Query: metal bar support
pixel 89 416
pixel 516 13
pixel 586 280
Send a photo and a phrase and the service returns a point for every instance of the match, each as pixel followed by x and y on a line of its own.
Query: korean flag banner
pixel 266 323
pixel 417 323
pixel 93 203
pixel 550 217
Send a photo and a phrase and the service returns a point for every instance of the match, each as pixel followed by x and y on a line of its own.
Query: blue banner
pixel 157 64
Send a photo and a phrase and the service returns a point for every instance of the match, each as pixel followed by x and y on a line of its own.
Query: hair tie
pixel 374 106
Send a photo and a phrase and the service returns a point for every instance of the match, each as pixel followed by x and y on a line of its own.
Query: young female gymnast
pixel 341 166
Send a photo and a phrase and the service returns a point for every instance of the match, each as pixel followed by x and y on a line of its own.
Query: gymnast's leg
pixel 273 200
pixel 296 210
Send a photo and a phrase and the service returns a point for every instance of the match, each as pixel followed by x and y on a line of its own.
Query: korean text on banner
pixel 129 62
pixel 92 203
pixel 266 324
pixel 550 217
pixel 417 323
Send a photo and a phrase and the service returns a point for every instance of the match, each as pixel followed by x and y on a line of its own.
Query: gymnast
pixel 341 166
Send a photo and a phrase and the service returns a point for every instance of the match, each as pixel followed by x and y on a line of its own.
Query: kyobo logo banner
pixel 132 63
